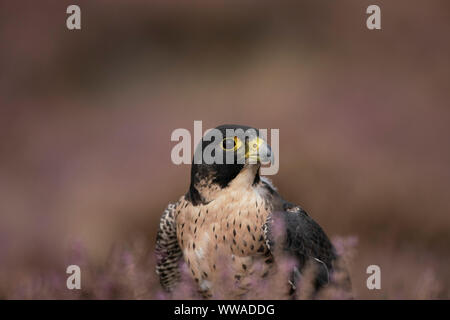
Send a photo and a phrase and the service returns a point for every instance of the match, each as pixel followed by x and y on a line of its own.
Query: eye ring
pixel 236 144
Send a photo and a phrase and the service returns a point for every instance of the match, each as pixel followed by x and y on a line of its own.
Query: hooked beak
pixel 258 151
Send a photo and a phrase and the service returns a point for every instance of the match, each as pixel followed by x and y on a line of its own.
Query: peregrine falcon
pixel 231 210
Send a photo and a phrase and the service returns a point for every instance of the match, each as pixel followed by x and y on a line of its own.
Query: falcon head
pixel 227 154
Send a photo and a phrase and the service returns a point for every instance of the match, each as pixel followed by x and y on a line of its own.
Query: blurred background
pixel 86 118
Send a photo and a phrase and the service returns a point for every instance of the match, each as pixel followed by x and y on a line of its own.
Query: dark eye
pixel 228 143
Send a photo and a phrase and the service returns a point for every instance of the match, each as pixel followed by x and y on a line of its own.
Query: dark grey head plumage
pixel 237 144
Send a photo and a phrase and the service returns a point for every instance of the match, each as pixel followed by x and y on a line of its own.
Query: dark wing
pixel 168 252
pixel 302 239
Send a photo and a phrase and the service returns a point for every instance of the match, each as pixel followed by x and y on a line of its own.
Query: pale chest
pixel 226 232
